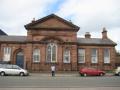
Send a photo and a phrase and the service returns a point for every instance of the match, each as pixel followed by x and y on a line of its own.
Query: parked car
pixel 10 69
pixel 91 72
pixel 117 71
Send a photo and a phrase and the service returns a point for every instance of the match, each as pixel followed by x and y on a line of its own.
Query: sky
pixel 90 15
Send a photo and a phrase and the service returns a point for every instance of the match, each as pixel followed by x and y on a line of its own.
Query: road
pixel 56 82
pixel 59 82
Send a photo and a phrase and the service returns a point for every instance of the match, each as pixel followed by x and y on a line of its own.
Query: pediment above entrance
pixel 52 39
pixel 51 22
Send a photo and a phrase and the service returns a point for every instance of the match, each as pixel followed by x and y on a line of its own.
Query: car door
pixel 12 70
pixel 92 71
pixel 8 69
pixel 89 71
pixel 15 70
pixel 95 71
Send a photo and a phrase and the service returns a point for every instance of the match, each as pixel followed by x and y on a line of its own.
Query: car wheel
pixel 21 74
pixel 84 74
pixel 81 74
pixel 119 74
pixel 2 73
pixel 101 74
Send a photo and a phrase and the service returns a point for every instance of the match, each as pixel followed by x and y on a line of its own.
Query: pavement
pixel 70 74
pixel 94 88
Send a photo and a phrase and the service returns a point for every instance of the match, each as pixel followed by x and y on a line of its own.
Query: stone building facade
pixel 52 40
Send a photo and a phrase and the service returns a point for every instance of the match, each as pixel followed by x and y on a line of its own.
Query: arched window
pixel 36 55
pixel 66 56
pixel 51 53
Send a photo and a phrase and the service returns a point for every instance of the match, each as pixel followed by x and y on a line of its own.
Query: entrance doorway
pixel 20 59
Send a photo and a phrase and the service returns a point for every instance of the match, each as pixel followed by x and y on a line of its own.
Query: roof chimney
pixel 104 33
pixel 33 20
pixel 87 35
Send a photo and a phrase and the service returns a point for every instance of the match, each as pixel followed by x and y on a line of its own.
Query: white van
pixel 9 69
pixel 117 71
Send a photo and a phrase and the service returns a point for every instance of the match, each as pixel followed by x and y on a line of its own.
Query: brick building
pixel 53 40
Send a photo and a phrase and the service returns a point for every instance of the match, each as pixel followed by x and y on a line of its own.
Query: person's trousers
pixel 53 73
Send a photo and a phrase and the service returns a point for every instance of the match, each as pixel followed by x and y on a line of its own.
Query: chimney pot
pixel 104 33
pixel 33 20
pixel 87 35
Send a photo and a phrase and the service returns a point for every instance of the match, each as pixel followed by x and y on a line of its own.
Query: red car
pixel 91 72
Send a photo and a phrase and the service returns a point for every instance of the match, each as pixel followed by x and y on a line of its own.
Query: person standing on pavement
pixel 53 70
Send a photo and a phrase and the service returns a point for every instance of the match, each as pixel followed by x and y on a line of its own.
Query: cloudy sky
pixel 90 15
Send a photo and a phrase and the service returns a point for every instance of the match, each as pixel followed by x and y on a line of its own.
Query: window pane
pixel 51 52
pixel 106 55
pixel 9 50
pixel 54 53
pixel 7 53
pixel 66 58
pixel 81 55
pixel 36 55
pixel 48 54
pixel 94 56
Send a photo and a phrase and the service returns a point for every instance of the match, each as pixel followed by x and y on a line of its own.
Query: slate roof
pixel 80 41
pixel 2 33
pixel 4 38
pixel 95 41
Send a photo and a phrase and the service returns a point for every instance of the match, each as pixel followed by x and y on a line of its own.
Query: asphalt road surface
pixel 59 82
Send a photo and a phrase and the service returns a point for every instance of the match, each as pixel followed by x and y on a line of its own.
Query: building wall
pixel 117 60
pixel 100 64
pixel 38 35
pixel 60 66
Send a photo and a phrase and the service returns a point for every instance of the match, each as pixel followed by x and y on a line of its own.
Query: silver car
pixel 9 69
pixel 117 71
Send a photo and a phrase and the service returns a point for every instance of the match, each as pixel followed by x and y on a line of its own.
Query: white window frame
pixel 7 54
pixel 94 58
pixel 66 56
pixel 107 58
pixel 81 54
pixel 51 45
pixel 36 55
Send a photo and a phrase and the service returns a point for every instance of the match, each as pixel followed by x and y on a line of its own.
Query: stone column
pixel 112 57
pixel 59 58
pixel 74 58
pixel 43 57
pixel 100 58
pixel 28 56
pixel 87 57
